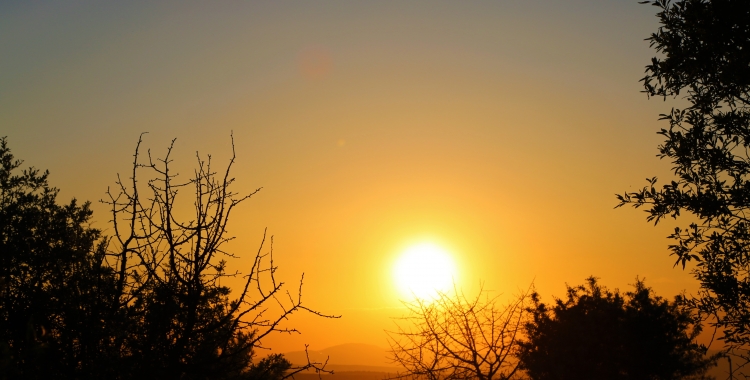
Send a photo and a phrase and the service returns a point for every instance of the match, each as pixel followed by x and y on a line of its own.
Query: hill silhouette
pixel 350 360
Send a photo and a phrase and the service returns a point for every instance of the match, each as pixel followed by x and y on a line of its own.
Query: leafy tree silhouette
pixel 55 294
pixel 599 334
pixel 704 48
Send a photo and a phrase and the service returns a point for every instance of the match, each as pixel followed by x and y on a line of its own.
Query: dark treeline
pixel 145 302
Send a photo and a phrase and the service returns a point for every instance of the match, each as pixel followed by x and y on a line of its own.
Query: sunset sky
pixel 499 131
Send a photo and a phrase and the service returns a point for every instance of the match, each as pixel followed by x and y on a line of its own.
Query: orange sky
pixel 499 130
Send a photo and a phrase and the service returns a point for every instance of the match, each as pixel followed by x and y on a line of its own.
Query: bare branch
pixel 454 337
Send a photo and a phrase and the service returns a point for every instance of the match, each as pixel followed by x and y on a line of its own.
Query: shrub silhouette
pixel 598 334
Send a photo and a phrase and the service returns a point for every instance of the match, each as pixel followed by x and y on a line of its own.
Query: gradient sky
pixel 500 130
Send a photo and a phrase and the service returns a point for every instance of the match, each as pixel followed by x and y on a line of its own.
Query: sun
pixel 423 270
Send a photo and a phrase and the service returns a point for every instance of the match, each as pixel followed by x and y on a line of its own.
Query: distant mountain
pixel 355 361
pixel 353 356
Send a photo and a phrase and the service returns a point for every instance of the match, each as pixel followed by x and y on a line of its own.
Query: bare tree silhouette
pixel 182 321
pixel 455 337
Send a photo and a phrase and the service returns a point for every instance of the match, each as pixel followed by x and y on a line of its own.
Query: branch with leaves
pixel 703 57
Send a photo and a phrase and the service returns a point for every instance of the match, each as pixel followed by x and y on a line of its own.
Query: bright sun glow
pixel 423 270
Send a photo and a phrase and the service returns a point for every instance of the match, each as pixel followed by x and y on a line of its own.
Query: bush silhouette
pixel 599 334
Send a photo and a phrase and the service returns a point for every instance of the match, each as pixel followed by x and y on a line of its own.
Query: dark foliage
pixel 272 367
pixel 597 334
pixel 55 294
pixel 705 57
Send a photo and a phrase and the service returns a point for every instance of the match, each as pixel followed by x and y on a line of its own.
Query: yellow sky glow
pixel 498 131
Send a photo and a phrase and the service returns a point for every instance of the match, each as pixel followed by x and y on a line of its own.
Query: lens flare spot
pixel 314 62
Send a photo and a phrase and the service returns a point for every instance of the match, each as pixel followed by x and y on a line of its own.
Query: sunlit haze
pixel 398 145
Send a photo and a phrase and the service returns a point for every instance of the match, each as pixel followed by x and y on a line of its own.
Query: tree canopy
pixel 704 57
pixel 598 334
